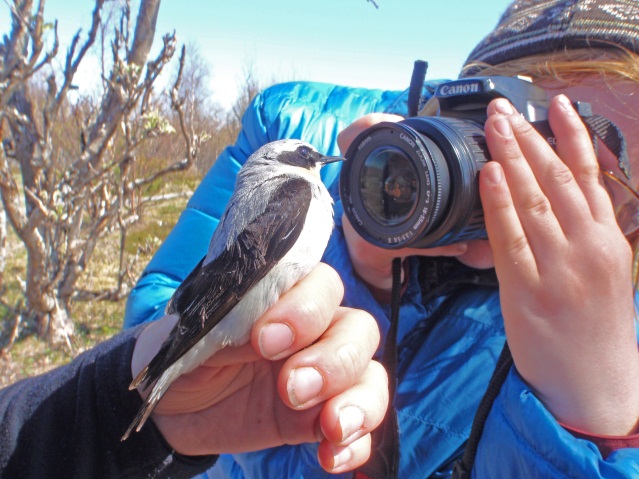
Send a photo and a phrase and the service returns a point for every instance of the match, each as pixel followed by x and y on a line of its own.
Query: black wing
pixel 209 292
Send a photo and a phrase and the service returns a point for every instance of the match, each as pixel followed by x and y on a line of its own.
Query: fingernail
pixel 341 456
pixel 565 103
pixel 303 385
pixel 351 420
pixel 494 174
pixel 503 106
pixel 502 126
pixel 275 338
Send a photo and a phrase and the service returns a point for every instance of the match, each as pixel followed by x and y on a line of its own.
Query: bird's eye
pixel 304 152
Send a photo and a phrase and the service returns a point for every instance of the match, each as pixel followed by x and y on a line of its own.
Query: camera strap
pixel 437 276
pixel 464 466
pixel 384 461
pixel 416 86
pixel 601 128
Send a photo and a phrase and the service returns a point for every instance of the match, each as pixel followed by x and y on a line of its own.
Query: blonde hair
pixel 567 66
pixel 571 67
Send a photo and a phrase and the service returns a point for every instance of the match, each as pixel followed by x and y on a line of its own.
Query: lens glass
pixel 388 185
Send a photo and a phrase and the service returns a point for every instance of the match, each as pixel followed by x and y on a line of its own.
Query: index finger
pixel 333 364
pixel 300 316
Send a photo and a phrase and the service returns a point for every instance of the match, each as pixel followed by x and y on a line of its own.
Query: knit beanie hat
pixel 530 27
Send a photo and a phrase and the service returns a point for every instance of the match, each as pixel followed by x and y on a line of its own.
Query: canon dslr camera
pixel 415 183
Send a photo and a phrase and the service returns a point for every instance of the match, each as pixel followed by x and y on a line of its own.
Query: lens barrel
pixel 414 183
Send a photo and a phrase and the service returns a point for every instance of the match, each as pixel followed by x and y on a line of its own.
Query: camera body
pixel 415 183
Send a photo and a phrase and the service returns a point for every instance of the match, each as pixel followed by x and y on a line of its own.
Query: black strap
pixel 416 86
pixel 604 130
pixel 464 466
pixel 384 461
pixel 437 275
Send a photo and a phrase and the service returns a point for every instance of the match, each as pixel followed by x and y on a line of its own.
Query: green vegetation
pixel 95 320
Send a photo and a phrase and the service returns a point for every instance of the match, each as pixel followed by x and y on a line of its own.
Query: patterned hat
pixel 530 27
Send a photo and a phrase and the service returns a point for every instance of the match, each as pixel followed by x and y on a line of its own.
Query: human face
pixel 617 101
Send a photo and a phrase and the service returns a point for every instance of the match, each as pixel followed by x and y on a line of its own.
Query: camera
pixel 415 183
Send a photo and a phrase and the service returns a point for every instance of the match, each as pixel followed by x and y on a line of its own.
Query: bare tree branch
pixel 79 162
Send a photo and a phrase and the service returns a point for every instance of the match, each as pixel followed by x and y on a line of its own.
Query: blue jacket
pixel 447 347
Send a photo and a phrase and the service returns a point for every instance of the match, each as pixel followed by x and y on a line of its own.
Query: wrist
pixel 605 444
pixel 607 406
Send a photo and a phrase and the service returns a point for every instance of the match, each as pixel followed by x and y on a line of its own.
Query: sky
pixel 347 42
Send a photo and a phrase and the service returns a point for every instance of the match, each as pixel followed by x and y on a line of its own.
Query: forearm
pixel 71 419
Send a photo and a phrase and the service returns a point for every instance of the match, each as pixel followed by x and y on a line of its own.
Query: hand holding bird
pixel 248 397
pixel 272 234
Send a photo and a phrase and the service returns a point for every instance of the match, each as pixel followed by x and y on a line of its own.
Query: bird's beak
pixel 331 159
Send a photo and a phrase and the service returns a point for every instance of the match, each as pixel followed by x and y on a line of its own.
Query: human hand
pixel 306 376
pixel 564 269
pixel 374 264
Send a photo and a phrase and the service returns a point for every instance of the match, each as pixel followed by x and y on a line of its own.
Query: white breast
pixel 307 252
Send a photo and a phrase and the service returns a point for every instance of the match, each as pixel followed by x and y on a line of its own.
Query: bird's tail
pixel 159 388
pixel 141 377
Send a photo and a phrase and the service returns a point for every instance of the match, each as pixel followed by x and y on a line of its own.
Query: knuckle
pixel 330 292
pixel 333 281
pixel 521 127
pixel 312 309
pixel 612 257
pixel 370 326
pixel 382 380
pixel 537 205
pixel 346 359
pixel 589 170
pixel 500 203
pixel 517 245
pixel 559 174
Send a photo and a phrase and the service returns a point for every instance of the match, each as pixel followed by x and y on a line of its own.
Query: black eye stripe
pixel 302 157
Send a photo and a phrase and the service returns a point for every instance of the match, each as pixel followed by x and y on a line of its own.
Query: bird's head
pixel 294 153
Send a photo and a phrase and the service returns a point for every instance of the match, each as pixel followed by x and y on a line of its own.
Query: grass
pixel 95 321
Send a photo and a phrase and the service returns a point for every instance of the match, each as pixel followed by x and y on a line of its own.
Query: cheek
pixel 633 155
pixel 478 255
pixel 607 160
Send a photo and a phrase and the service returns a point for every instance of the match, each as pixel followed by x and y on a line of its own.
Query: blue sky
pixel 349 42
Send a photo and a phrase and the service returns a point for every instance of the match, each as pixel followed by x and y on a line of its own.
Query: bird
pixel 274 230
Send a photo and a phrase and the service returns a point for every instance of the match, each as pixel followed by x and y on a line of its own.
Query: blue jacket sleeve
pixel 522 439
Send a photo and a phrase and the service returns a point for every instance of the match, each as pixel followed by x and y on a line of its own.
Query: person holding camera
pixel 459 243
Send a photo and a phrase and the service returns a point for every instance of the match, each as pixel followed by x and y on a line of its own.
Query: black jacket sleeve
pixel 68 423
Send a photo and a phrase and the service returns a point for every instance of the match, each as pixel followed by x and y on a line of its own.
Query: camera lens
pixel 414 183
pixel 388 184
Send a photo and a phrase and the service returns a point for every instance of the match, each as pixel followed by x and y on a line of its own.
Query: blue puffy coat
pixel 448 345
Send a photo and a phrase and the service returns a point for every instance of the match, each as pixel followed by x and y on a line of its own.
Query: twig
pixel 17 320
pixel 12 336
